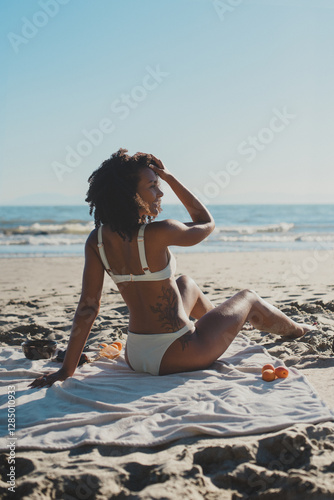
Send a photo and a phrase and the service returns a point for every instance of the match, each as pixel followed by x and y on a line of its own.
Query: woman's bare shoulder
pixel 163 227
pixel 91 242
pixel 174 232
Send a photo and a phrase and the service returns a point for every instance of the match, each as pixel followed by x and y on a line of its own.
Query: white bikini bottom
pixel 145 350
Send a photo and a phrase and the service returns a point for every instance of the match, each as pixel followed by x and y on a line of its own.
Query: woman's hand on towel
pixel 48 379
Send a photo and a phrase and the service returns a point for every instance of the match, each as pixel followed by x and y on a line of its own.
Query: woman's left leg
pixel 195 303
pixel 217 329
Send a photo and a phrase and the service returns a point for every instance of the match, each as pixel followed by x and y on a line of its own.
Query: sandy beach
pixel 39 297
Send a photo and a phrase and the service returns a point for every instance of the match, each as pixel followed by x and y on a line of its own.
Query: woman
pixel 125 195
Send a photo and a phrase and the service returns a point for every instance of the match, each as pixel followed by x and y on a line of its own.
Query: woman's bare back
pixel 154 306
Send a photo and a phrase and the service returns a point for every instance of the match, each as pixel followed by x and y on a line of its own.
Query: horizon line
pixel 166 203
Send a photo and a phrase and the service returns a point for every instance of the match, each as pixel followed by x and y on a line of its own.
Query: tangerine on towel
pixel 118 345
pixel 268 366
pixel 268 375
pixel 110 352
pixel 281 372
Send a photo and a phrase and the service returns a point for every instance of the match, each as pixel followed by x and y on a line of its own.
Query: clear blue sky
pixel 236 97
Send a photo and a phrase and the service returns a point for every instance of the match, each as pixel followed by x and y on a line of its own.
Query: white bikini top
pixel 165 273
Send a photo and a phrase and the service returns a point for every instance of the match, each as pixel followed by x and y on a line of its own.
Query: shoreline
pixel 200 252
pixel 176 251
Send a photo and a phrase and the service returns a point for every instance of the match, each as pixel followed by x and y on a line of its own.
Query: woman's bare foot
pixel 308 328
pixel 302 329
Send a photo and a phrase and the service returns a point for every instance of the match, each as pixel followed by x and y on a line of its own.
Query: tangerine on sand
pixel 268 375
pixel 268 367
pixel 281 372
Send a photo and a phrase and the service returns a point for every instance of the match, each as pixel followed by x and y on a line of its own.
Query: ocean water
pixel 62 230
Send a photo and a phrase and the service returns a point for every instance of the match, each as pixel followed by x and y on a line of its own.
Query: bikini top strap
pixel 100 246
pixel 141 248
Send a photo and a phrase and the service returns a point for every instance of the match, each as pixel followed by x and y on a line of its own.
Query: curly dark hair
pixel 112 193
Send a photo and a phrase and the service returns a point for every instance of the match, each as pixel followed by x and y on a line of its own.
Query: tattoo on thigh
pixel 167 308
pixel 184 340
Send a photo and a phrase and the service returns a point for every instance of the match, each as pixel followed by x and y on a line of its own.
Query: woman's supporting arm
pixel 85 315
pixel 83 321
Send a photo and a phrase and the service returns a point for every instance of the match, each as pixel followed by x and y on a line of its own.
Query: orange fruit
pixel 118 345
pixel 268 375
pixel 268 367
pixel 281 372
pixel 103 344
pixel 110 352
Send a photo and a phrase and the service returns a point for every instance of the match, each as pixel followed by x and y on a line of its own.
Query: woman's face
pixel 149 191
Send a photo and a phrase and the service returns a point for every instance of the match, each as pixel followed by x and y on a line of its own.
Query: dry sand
pixel 297 462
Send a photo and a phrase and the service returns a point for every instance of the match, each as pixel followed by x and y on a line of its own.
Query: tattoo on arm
pixel 167 308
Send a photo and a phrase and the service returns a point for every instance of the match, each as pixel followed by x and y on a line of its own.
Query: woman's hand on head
pixel 159 168
pixel 48 379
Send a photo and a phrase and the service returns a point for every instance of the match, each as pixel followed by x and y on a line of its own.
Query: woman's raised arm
pixel 178 233
pixel 85 315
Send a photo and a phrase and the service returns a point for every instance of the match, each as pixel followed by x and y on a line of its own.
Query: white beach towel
pixel 107 403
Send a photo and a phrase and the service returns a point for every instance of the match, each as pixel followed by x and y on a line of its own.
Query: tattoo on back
pixel 167 308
